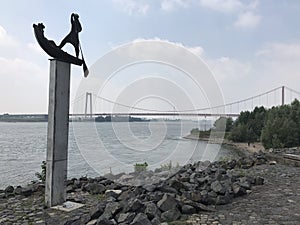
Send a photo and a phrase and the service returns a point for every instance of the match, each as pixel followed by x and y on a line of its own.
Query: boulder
pixel 134 205
pixel 151 210
pixel 238 190
pixel 170 215
pixel 9 189
pixel 177 185
pixel 104 221
pixel 141 219
pixel 27 191
pixel 217 187
pixel 18 190
pixel 166 188
pixel 156 221
pixel 113 193
pixel 97 211
pixel 167 202
pixel 223 199
pixel 245 183
pixel 188 209
pixel 259 181
pixel 125 218
pixel 94 188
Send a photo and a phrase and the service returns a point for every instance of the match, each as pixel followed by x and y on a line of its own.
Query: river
pixel 99 148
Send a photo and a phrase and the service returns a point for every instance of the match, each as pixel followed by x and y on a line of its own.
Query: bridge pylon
pixel 88 96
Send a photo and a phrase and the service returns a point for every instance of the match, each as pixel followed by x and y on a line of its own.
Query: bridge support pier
pixel 282 95
pixel 58 129
pixel 88 96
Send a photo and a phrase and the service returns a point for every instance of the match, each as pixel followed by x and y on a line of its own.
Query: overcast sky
pixel 251 46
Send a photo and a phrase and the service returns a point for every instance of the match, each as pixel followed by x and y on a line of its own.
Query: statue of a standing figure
pixel 73 37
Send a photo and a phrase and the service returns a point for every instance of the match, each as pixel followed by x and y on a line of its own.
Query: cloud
pixel 5 39
pixel 222 5
pixel 24 86
pixel 35 48
pixel 278 64
pixel 197 50
pixel 133 7
pixel 280 51
pixel 170 5
pixel 226 68
pixel 247 20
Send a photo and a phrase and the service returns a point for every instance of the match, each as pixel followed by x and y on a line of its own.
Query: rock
pixel 166 188
pixel 198 206
pixel 155 221
pixel 141 219
pixel 2 195
pixel 238 190
pixel 217 187
pixel 149 187
pixel 92 222
pixel 155 196
pixel 18 190
pixel 272 162
pixel 97 211
pixel 125 178
pixel 126 195
pixel 113 193
pixel 72 221
pixel 244 182
pixel 9 189
pixel 188 209
pixel 223 199
pixel 195 196
pixel 111 209
pixel 70 189
pixel 177 185
pixel 246 163
pixel 201 180
pixel 135 205
pixel 104 221
pixel 27 191
pixel 167 202
pixel 259 181
pixel 94 188
pixel 126 217
pixel 151 210
pixel 170 215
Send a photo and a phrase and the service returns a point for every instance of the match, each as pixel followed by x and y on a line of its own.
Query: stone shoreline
pixel 249 190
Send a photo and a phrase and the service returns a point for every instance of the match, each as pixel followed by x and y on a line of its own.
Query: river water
pixel 100 148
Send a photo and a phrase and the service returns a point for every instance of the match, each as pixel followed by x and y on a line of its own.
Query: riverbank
pixel 243 148
pixel 245 191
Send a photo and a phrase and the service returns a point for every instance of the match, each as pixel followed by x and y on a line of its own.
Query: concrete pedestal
pixel 58 129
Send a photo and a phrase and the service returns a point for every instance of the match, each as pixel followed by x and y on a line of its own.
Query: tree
pixel 223 124
pixel 282 126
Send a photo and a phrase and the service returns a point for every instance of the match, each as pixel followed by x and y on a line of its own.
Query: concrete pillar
pixel 58 129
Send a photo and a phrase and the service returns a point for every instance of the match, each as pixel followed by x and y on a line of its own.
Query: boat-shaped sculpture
pixel 51 48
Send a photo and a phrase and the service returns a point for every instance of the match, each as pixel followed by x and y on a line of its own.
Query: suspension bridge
pixel 275 97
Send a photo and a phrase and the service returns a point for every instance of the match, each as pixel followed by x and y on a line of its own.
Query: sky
pixel 251 46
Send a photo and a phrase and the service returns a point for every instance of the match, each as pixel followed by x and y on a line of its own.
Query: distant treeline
pixel 119 119
pixel 277 127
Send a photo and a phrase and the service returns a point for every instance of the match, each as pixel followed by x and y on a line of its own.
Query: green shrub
pixel 140 167
pixel 42 175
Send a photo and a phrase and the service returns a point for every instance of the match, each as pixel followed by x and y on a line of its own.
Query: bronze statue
pixel 50 47
pixel 72 37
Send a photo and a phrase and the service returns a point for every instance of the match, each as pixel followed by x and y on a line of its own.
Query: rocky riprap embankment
pixel 193 189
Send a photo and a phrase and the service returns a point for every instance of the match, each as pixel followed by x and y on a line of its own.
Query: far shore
pixel 240 146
